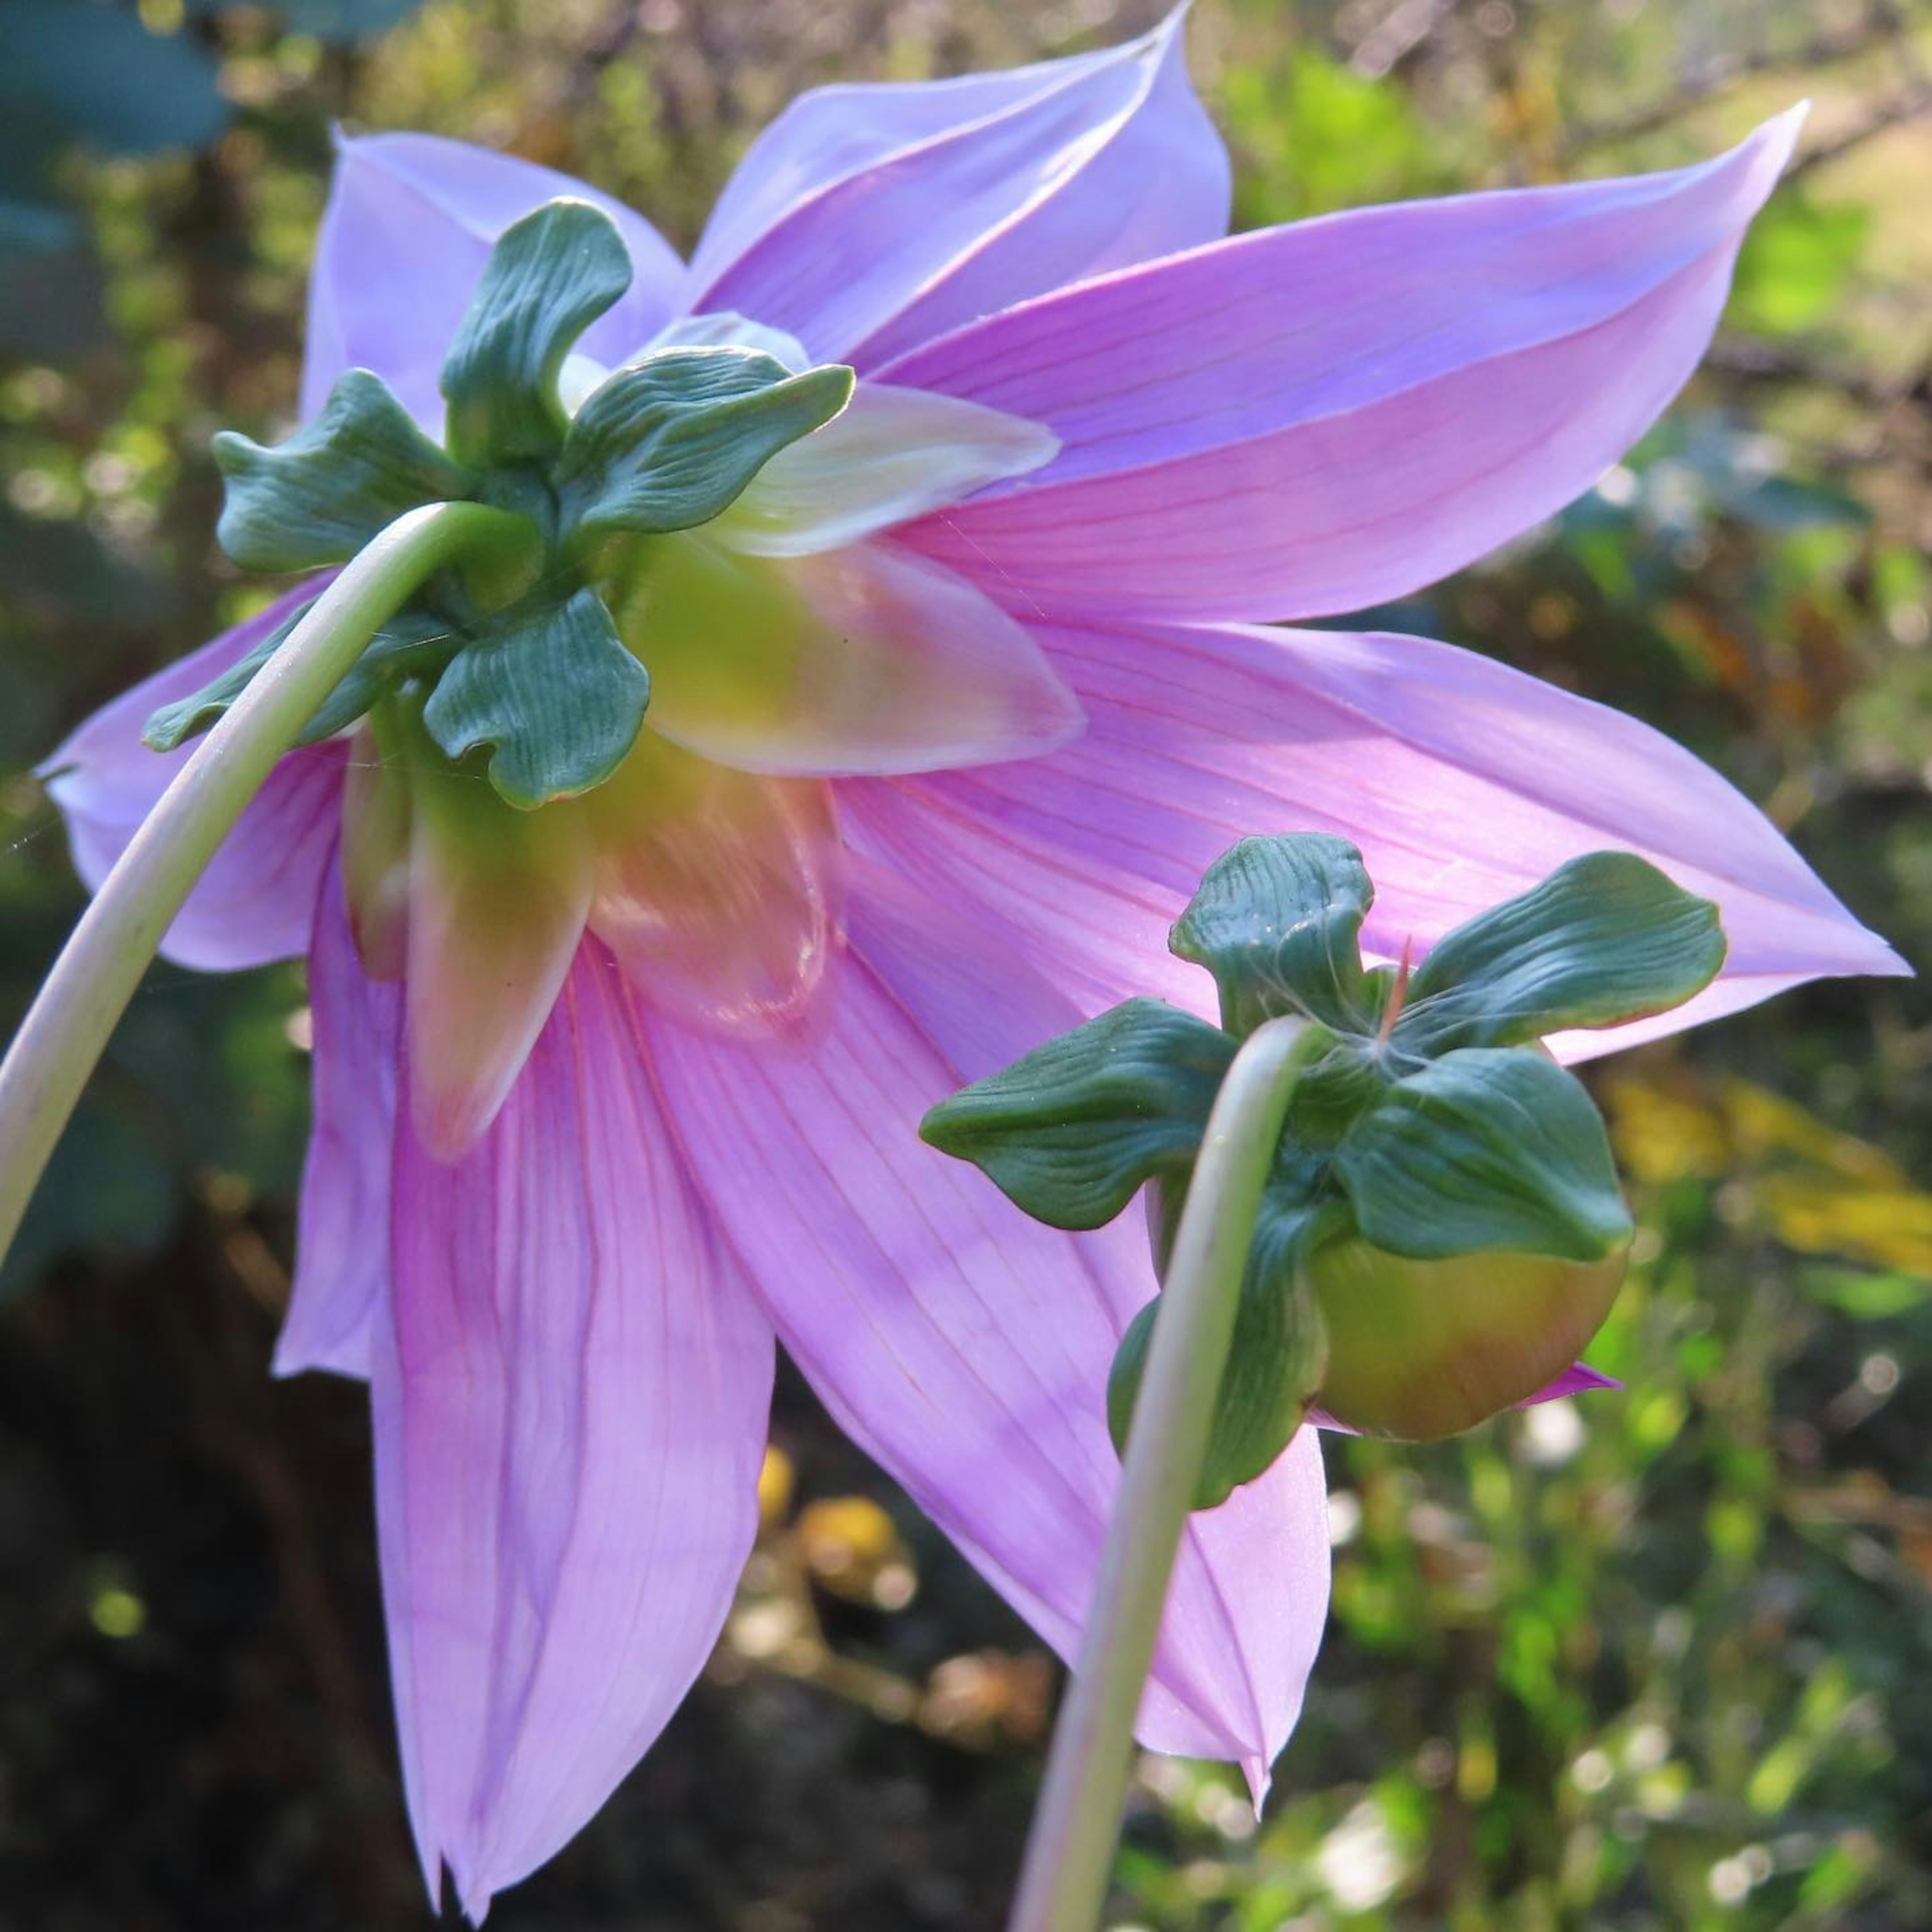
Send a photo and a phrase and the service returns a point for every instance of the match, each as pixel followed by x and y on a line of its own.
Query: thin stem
pixel 1076 1824
pixel 68 1027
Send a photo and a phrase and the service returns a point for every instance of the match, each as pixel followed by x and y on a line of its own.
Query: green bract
pixel 1433 1148
pixel 517 653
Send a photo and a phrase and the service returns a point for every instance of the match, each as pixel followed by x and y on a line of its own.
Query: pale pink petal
pixel 890 455
pixel 875 237
pixel 570 1411
pixel 865 659
pixel 342 1235
pixel 257 900
pixel 410 223
pixel 1319 418
pixel 968 1348
pixel 1463 782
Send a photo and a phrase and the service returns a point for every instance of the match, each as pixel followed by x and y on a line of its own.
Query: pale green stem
pixel 68 1027
pixel 1076 1824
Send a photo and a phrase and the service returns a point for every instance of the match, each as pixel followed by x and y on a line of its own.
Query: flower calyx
pixel 516 656
pixel 1443 1229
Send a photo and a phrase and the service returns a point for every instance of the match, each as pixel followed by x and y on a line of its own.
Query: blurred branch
pixel 1752 360
pixel 1910 106
pixel 1397 35
pixel 1884 23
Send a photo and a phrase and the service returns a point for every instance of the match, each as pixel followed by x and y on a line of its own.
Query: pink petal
pixel 968 1348
pixel 256 901
pixel 720 894
pixel 1322 417
pixel 410 222
pixel 1463 782
pixel 1580 1379
pixel 570 1413
pixel 342 1239
pixel 864 659
pixel 497 902
pixel 864 236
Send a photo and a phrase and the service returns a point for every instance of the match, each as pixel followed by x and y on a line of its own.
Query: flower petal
pixel 891 455
pixel 862 660
pixel 1322 417
pixel 873 219
pixel 720 894
pixel 255 902
pixel 1462 781
pixel 497 901
pixel 342 1243
pixel 966 1347
pixel 410 222
pixel 1580 1379
pixel 570 1409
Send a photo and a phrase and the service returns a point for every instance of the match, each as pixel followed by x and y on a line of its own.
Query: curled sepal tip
pixel 550 276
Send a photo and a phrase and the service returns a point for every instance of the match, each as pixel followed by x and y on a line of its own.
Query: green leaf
pixel 549 277
pixel 1491 1147
pixel 1070 1131
pixel 410 642
pixel 1607 938
pixel 1278 923
pixel 319 497
pixel 1274 1364
pixel 671 442
pixel 553 693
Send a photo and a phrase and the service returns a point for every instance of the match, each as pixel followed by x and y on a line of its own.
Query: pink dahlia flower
pixel 948 714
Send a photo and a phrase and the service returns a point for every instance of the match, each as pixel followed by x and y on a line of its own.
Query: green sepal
pixel 319 497
pixel 1278 922
pixel 552 692
pixel 410 642
pixel 1069 1133
pixel 1275 1363
pixel 1488 1147
pixel 672 442
pixel 549 277
pixel 1606 938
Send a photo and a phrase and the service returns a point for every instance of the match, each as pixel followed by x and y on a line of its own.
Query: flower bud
pixel 1423 1348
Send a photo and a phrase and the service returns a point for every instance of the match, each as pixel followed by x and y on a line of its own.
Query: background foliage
pixel 1658 1659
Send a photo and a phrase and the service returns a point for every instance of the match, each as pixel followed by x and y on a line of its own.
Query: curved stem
pixel 68 1025
pixel 1076 1824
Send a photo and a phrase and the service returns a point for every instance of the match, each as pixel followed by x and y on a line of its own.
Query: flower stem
pixel 68 1025
pixel 1076 1824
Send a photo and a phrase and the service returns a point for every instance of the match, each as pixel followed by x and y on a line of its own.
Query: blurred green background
pixel 1658 1660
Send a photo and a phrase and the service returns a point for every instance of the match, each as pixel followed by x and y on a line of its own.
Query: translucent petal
pixel 864 660
pixel 893 455
pixel 720 893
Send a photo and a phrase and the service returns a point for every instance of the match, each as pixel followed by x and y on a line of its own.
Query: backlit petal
pixel 863 660
pixel 410 223
pixel 720 893
pixel 570 1410
pixel 255 902
pixel 875 237
pixel 1463 781
pixel 1319 417
pixel 890 455
pixel 967 1347
pixel 497 900
pixel 342 1238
